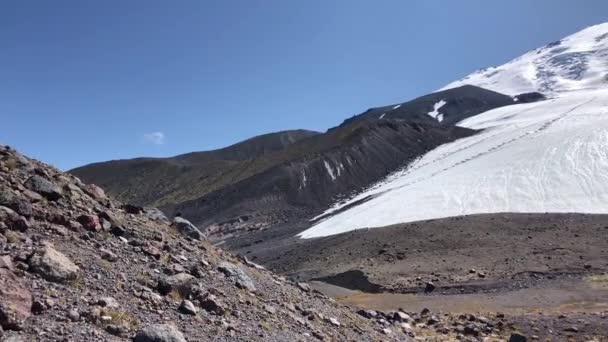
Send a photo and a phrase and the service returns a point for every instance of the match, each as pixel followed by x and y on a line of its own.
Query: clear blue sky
pixel 84 81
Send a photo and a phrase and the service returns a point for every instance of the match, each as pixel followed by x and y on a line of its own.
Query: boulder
pixel 156 214
pixel 90 222
pixel 181 282
pixel 18 204
pixel 233 271
pixel 52 265
pixel 15 301
pixel 95 192
pixel 160 333
pixel 186 228
pixel 44 187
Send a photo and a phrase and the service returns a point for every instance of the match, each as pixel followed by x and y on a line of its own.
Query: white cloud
pixel 155 138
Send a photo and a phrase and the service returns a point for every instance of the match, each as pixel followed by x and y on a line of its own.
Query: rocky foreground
pixel 76 265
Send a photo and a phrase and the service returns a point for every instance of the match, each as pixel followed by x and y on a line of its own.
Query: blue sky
pixel 84 81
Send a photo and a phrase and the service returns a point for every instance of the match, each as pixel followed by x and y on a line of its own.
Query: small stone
pixel 160 333
pixel 571 329
pixel 304 287
pixel 108 255
pixel 187 307
pixel 74 315
pixel 116 330
pixel 402 317
pixel 334 321
pixel 108 302
pixel 429 287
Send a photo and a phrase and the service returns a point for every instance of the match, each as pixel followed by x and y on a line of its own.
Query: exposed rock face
pixel 15 301
pixel 53 265
pixel 160 333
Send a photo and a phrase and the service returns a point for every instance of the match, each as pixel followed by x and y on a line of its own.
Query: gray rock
pixel 186 228
pixel 160 333
pixel 74 315
pixel 242 279
pixel 108 302
pixel 20 205
pixel 181 282
pixel 515 337
pixel 108 255
pixel 44 187
pixel 211 303
pixel 187 307
pixel 53 266
pixel 156 214
pixel 15 301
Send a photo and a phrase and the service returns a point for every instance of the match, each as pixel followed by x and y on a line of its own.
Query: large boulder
pixel 160 333
pixel 15 301
pixel 233 271
pixel 44 187
pixel 52 265
pixel 185 227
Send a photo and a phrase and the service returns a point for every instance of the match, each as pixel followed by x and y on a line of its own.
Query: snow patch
pixel 435 113
pixel 330 170
pixel 397 106
pixel 382 116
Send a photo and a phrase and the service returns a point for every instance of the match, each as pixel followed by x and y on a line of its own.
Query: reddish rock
pixel 95 192
pixel 15 301
pixel 90 222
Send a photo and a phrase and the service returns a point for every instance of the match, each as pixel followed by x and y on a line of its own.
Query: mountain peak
pixel 573 63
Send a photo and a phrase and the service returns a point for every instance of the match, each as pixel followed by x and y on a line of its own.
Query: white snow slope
pixel 549 156
pixel 579 61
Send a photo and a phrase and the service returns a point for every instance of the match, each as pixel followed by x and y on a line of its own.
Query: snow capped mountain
pixel 547 156
pixel 579 61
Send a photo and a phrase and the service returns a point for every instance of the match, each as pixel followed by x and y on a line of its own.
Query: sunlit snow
pixel 435 112
pixel 579 61
pixel 549 156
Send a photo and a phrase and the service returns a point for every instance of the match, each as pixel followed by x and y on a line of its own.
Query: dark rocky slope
pixel 159 181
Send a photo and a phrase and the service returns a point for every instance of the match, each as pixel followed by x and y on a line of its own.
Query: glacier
pixel 549 156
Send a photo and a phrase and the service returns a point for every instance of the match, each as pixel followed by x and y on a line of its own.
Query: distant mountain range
pixel 288 178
